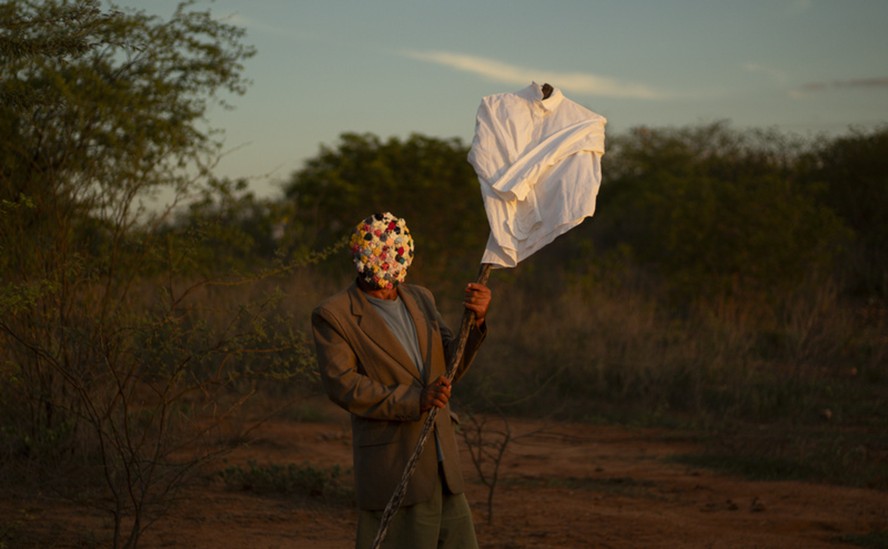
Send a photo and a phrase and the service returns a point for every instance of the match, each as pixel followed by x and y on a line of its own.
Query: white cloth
pixel 539 165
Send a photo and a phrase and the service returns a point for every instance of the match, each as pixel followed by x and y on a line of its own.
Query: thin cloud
pixel 779 77
pixel 851 83
pixel 498 71
pixel 776 75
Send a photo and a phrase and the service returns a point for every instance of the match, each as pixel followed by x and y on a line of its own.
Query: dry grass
pixel 807 376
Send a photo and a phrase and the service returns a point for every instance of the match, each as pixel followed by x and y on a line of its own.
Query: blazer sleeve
pixel 473 343
pixel 348 387
pixel 449 339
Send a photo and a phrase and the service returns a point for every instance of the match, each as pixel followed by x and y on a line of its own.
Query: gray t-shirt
pixel 395 314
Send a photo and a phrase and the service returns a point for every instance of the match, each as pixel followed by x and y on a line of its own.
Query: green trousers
pixel 444 522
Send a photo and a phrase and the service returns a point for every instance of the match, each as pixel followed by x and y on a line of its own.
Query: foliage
pixel 303 480
pixel 101 106
pixel 711 212
pixel 717 282
pixel 851 173
pixel 236 231
pixel 118 363
pixel 727 276
pixel 814 375
pixel 876 539
pixel 794 451
pixel 425 180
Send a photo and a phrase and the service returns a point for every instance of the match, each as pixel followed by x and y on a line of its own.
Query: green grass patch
pixel 872 540
pixel 322 484
pixel 309 411
pixel 842 455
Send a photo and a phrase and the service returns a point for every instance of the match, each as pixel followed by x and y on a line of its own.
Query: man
pixel 383 350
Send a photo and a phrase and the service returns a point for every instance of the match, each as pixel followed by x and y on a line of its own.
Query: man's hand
pixel 435 395
pixel 477 300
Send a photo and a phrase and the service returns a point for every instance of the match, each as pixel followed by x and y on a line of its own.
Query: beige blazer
pixel 365 369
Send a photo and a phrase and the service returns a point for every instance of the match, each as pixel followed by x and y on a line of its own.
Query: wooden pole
pixel 398 496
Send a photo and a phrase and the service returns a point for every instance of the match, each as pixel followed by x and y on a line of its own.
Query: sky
pixel 397 67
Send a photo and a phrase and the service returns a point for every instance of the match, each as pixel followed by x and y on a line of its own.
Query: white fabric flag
pixel 539 165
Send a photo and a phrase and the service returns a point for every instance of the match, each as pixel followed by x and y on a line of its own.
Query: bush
pixel 301 480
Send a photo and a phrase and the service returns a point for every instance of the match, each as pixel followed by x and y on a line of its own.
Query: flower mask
pixel 382 249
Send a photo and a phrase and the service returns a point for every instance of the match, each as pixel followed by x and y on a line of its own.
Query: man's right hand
pixel 435 395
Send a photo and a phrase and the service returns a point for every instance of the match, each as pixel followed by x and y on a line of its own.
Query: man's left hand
pixel 477 300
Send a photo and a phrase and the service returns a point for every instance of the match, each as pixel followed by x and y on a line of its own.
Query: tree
pixel 851 175
pixel 102 110
pixel 426 180
pixel 711 211
pixel 237 230
pixel 117 361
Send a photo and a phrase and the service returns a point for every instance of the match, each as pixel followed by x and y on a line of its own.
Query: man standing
pixel 383 350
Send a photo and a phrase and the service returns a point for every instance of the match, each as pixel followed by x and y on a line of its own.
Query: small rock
pixel 756 506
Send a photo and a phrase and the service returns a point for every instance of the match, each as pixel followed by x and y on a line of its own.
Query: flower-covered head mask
pixel 382 249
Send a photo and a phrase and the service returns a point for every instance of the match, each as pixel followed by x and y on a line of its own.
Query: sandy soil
pixel 562 485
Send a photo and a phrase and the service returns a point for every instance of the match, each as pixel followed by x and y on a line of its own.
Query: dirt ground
pixel 562 485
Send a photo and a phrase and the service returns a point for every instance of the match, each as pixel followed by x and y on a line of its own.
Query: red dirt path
pixel 563 486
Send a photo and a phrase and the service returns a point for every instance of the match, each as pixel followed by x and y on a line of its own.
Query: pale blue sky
pixel 396 67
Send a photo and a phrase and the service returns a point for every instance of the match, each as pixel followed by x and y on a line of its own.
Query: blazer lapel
pixel 376 329
pixel 423 330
